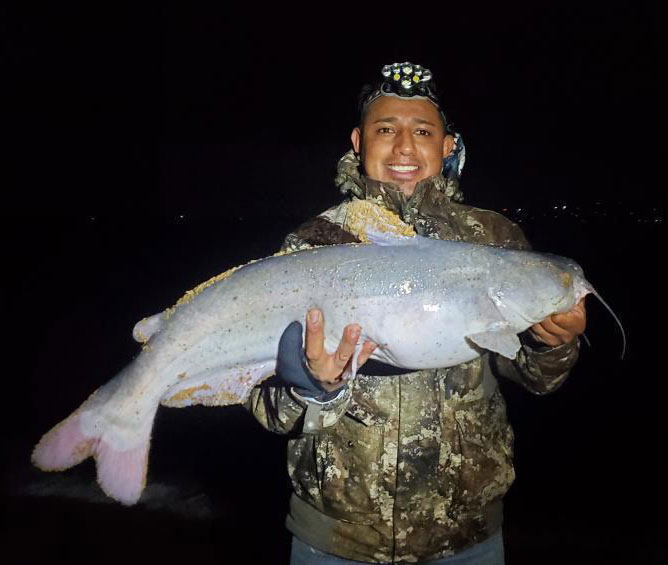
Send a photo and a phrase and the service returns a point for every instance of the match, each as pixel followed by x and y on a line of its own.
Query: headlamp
pixel 404 80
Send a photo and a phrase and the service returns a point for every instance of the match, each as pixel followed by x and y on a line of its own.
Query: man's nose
pixel 404 143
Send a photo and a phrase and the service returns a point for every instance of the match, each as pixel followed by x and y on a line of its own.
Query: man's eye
pixel 385 130
pixel 423 132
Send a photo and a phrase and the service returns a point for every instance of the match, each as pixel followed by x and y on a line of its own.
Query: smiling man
pixel 398 465
pixel 402 141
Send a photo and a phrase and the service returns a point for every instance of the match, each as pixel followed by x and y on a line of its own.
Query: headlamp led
pixel 405 80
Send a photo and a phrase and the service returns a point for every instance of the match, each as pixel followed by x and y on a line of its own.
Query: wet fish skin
pixel 428 303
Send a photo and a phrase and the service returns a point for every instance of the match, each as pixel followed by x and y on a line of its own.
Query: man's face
pixel 401 141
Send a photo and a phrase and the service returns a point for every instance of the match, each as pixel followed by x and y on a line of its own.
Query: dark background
pixel 150 149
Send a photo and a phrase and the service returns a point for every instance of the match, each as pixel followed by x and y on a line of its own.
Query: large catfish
pixel 427 303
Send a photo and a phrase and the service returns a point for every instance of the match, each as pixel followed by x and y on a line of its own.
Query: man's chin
pixel 408 188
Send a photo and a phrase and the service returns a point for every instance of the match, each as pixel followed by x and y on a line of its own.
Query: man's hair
pixel 363 107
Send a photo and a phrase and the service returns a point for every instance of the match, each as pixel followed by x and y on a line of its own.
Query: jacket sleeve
pixel 281 410
pixel 539 369
pixel 275 409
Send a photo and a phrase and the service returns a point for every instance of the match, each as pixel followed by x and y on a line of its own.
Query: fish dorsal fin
pixel 145 328
pixel 363 216
pixel 502 340
pixel 377 237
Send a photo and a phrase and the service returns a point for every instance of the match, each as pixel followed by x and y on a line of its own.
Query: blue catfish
pixel 427 303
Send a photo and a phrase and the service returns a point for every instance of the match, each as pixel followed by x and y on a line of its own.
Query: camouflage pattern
pixel 409 467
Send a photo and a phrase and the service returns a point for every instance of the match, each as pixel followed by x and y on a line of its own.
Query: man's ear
pixel 356 138
pixel 448 145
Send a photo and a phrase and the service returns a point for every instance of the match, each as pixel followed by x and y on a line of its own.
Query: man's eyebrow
pixel 393 119
pixel 423 121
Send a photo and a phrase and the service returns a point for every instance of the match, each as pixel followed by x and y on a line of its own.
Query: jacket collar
pixel 351 181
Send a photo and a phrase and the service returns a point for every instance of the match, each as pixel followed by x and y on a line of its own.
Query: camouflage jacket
pixel 408 467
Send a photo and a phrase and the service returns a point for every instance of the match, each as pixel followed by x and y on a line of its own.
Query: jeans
pixel 488 552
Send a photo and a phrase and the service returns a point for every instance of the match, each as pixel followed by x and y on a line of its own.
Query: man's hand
pixel 325 367
pixel 559 329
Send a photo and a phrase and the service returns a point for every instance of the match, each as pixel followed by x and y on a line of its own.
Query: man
pixel 403 466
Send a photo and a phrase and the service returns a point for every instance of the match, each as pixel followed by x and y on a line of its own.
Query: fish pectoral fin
pixel 500 340
pixel 351 371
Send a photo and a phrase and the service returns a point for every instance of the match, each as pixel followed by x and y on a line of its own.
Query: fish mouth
pixel 581 288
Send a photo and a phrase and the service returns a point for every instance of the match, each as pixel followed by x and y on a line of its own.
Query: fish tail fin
pixel 120 449
pixel 64 446
pixel 122 474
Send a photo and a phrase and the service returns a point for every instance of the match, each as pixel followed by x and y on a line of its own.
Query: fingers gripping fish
pixel 430 304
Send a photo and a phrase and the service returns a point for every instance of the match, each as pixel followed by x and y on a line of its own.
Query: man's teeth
pixel 403 168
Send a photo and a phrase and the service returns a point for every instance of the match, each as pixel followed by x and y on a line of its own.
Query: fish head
pixel 565 274
pixel 541 285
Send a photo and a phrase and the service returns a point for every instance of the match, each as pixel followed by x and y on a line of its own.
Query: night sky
pixel 175 110
pixel 152 148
